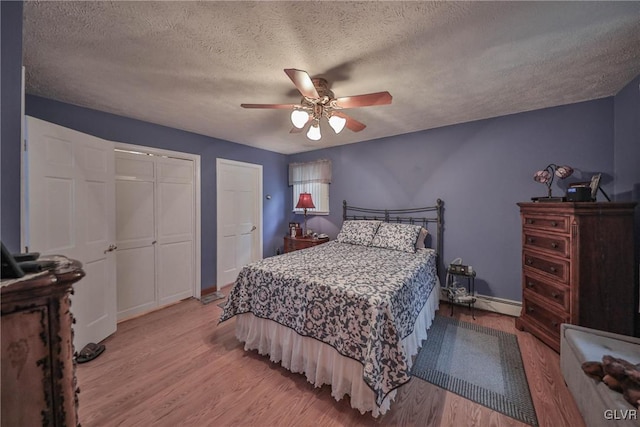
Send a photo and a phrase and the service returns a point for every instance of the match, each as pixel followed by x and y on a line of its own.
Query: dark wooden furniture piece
pixel 296 243
pixel 468 298
pixel 39 385
pixel 577 260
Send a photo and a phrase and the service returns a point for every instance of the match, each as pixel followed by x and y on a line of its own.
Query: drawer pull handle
pixel 554 224
pixel 530 285
pixel 530 221
pixel 554 294
pixel 529 261
pixel 530 309
pixel 553 269
pixel 554 245
pixel 555 324
pixel 531 240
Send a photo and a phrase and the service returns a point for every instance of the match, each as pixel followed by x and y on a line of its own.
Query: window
pixel 314 178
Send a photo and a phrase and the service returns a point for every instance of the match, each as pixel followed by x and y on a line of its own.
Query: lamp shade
pixel 299 118
pixel 337 123
pixel 314 132
pixel 305 201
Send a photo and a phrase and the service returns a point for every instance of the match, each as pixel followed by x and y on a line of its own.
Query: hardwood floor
pixel 178 367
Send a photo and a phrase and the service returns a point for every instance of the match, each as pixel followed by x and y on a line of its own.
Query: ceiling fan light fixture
pixel 319 102
pixel 314 131
pixel 299 118
pixel 337 123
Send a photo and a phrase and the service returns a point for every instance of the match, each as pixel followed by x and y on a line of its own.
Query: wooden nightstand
pixel 296 243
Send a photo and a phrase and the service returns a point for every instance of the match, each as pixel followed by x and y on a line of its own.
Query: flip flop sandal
pixel 90 352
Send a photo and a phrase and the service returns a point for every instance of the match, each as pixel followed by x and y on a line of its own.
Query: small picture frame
pixel 595 183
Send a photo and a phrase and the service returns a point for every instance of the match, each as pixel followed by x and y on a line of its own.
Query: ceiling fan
pixel 318 102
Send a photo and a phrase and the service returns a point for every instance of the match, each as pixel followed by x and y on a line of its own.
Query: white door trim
pixel 197 208
pixel 259 209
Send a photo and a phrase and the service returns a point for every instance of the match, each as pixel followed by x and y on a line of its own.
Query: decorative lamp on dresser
pixel 38 371
pixel 577 267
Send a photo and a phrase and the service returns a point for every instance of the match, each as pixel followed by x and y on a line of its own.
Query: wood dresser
pixel 296 243
pixel 577 260
pixel 38 370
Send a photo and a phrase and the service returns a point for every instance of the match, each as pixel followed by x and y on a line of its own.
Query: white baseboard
pixel 497 305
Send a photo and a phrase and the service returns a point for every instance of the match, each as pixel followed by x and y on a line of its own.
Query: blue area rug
pixel 478 363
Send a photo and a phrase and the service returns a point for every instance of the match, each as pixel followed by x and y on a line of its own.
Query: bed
pixel 351 312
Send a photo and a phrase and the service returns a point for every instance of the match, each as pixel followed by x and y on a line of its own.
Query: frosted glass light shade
pixel 314 132
pixel 337 123
pixel 299 118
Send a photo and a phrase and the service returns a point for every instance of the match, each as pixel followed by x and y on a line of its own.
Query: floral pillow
pixel 399 237
pixel 358 232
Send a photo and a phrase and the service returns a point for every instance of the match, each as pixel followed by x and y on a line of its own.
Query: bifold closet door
pixel 70 211
pixel 175 226
pixel 135 233
pixel 155 231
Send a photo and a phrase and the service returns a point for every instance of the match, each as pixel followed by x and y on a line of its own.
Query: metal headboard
pixel 402 216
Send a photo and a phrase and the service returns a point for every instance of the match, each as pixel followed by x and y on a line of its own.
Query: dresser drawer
pixel 289 246
pixel 546 319
pixel 554 268
pixel 559 296
pixel 558 223
pixel 555 244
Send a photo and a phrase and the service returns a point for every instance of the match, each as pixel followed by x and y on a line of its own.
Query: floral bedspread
pixel 361 300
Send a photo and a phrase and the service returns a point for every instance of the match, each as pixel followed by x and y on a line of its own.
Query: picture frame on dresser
pixel 595 184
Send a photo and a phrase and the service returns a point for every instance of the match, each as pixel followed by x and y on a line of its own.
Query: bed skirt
pixel 321 363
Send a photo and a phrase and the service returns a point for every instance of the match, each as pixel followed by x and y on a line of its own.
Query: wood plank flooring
pixel 179 367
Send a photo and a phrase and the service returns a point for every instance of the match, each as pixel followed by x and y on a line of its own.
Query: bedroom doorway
pixel 239 217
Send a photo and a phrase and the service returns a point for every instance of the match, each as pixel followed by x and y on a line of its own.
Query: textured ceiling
pixel 189 65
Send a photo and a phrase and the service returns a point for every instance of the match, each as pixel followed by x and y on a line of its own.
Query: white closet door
pixel 175 215
pixel 155 231
pixel 71 206
pixel 135 235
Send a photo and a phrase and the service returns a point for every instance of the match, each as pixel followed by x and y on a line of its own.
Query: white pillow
pixel 358 232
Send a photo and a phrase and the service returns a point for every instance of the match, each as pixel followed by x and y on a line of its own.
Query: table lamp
pixel 305 202
pixel 546 175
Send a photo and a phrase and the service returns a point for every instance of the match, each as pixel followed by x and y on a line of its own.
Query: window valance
pixel 318 171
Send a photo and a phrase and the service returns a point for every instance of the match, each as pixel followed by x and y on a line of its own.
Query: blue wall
pixel 130 131
pixel 627 154
pixel 481 170
pixel 11 28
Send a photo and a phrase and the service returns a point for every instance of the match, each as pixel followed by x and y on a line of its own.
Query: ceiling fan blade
pixel 303 82
pixel 352 124
pixel 378 98
pixel 279 106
